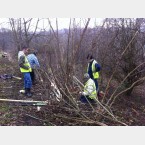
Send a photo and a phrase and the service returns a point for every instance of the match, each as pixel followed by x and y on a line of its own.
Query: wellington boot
pixel 28 92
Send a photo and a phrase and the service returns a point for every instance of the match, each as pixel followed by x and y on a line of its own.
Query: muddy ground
pixel 130 110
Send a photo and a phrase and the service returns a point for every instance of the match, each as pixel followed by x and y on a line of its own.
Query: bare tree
pixel 22 32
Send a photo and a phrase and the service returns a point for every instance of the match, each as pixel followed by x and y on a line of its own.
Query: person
pixel 93 70
pixel 34 65
pixel 25 69
pixel 89 93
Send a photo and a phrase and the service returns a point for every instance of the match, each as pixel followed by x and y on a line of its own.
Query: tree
pixel 22 32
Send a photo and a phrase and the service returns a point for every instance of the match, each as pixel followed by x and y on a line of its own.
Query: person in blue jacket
pixel 33 60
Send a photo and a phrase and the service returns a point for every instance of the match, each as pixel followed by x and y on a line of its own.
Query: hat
pixel 90 56
pixel 86 76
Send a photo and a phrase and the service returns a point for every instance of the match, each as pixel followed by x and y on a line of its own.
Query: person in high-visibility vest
pixel 89 93
pixel 25 69
pixel 93 70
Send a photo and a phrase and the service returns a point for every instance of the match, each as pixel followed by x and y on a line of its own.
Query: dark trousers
pixel 85 99
pixel 32 74
pixel 97 86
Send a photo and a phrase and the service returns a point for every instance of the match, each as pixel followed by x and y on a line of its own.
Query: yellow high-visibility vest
pixel 26 64
pixel 90 89
pixel 95 74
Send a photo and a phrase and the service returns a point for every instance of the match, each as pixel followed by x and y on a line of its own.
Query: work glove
pixel 82 93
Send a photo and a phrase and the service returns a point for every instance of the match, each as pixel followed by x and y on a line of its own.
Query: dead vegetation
pixel 69 111
pixel 118 45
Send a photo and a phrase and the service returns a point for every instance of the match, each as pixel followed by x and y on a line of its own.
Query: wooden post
pixel 24 101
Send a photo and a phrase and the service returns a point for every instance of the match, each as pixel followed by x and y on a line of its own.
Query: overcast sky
pixel 62 22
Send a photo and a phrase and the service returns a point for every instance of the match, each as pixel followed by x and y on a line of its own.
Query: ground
pixel 130 110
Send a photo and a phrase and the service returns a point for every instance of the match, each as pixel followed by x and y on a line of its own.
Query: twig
pixel 39 119
pixel 117 64
pixel 122 82
pixel 83 121
pixel 125 90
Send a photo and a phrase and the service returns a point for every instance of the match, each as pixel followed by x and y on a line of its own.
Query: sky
pixel 62 22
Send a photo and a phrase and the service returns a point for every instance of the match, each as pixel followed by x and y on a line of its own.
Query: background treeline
pixel 117 44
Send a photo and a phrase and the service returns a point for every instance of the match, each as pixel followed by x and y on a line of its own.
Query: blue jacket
pixel 33 61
